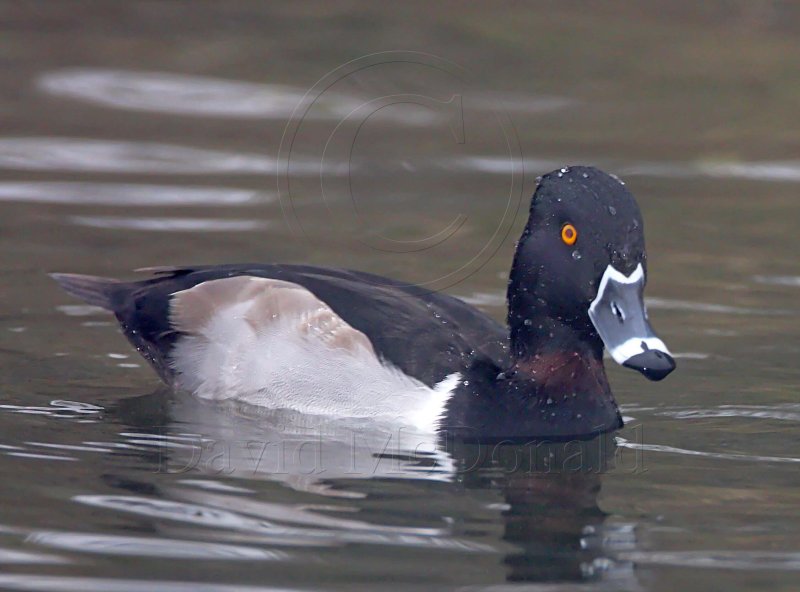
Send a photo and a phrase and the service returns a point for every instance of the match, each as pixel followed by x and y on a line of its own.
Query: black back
pixel 427 335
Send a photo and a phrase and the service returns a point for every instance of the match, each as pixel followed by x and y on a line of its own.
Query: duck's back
pixel 425 335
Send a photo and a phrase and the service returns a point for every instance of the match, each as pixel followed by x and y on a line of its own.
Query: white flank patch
pixel 273 343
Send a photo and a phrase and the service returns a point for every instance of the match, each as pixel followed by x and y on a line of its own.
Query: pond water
pixel 403 141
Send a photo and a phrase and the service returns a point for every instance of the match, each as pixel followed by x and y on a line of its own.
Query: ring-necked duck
pixel 352 344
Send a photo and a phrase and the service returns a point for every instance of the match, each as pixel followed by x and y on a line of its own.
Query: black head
pixel 579 273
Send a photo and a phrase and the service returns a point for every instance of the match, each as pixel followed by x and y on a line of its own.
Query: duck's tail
pixel 89 288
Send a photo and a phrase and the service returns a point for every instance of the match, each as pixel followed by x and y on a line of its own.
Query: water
pixel 145 133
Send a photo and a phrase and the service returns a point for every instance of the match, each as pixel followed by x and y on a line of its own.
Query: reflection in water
pixel 531 506
pixel 548 518
pixel 551 515
pixel 549 526
pixel 305 452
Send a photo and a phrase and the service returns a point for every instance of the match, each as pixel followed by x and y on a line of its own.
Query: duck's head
pixel 577 283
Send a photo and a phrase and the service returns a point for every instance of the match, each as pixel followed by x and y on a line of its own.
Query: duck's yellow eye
pixel 569 234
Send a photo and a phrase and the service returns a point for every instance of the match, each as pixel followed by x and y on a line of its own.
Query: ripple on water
pixel 8 556
pixel 623 443
pixel 180 94
pixel 671 304
pixel 57 408
pixel 181 512
pixel 201 96
pixel 779 280
pixel 44 583
pixel 88 155
pixel 485 299
pixel 787 412
pixel 40 456
pixel 313 530
pixel 126 194
pixel 204 96
pixel 150 547
pixel 165 224
pixel 743 560
pixel 504 165
pixel 690 355
pixel 210 485
pixel 73 447
pixel 109 156
pixel 780 171
pixel 81 310
pixel 33 449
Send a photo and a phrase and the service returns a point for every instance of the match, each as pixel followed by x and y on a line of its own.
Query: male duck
pixel 352 344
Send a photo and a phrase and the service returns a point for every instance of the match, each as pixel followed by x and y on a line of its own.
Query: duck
pixel 350 344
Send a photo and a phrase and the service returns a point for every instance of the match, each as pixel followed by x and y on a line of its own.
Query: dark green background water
pixel 149 133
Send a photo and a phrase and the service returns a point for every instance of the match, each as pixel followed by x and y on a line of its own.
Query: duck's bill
pixel 619 315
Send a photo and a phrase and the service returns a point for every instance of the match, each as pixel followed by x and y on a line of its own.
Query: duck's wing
pixel 427 335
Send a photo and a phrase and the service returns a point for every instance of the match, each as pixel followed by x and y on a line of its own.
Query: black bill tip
pixel 654 364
